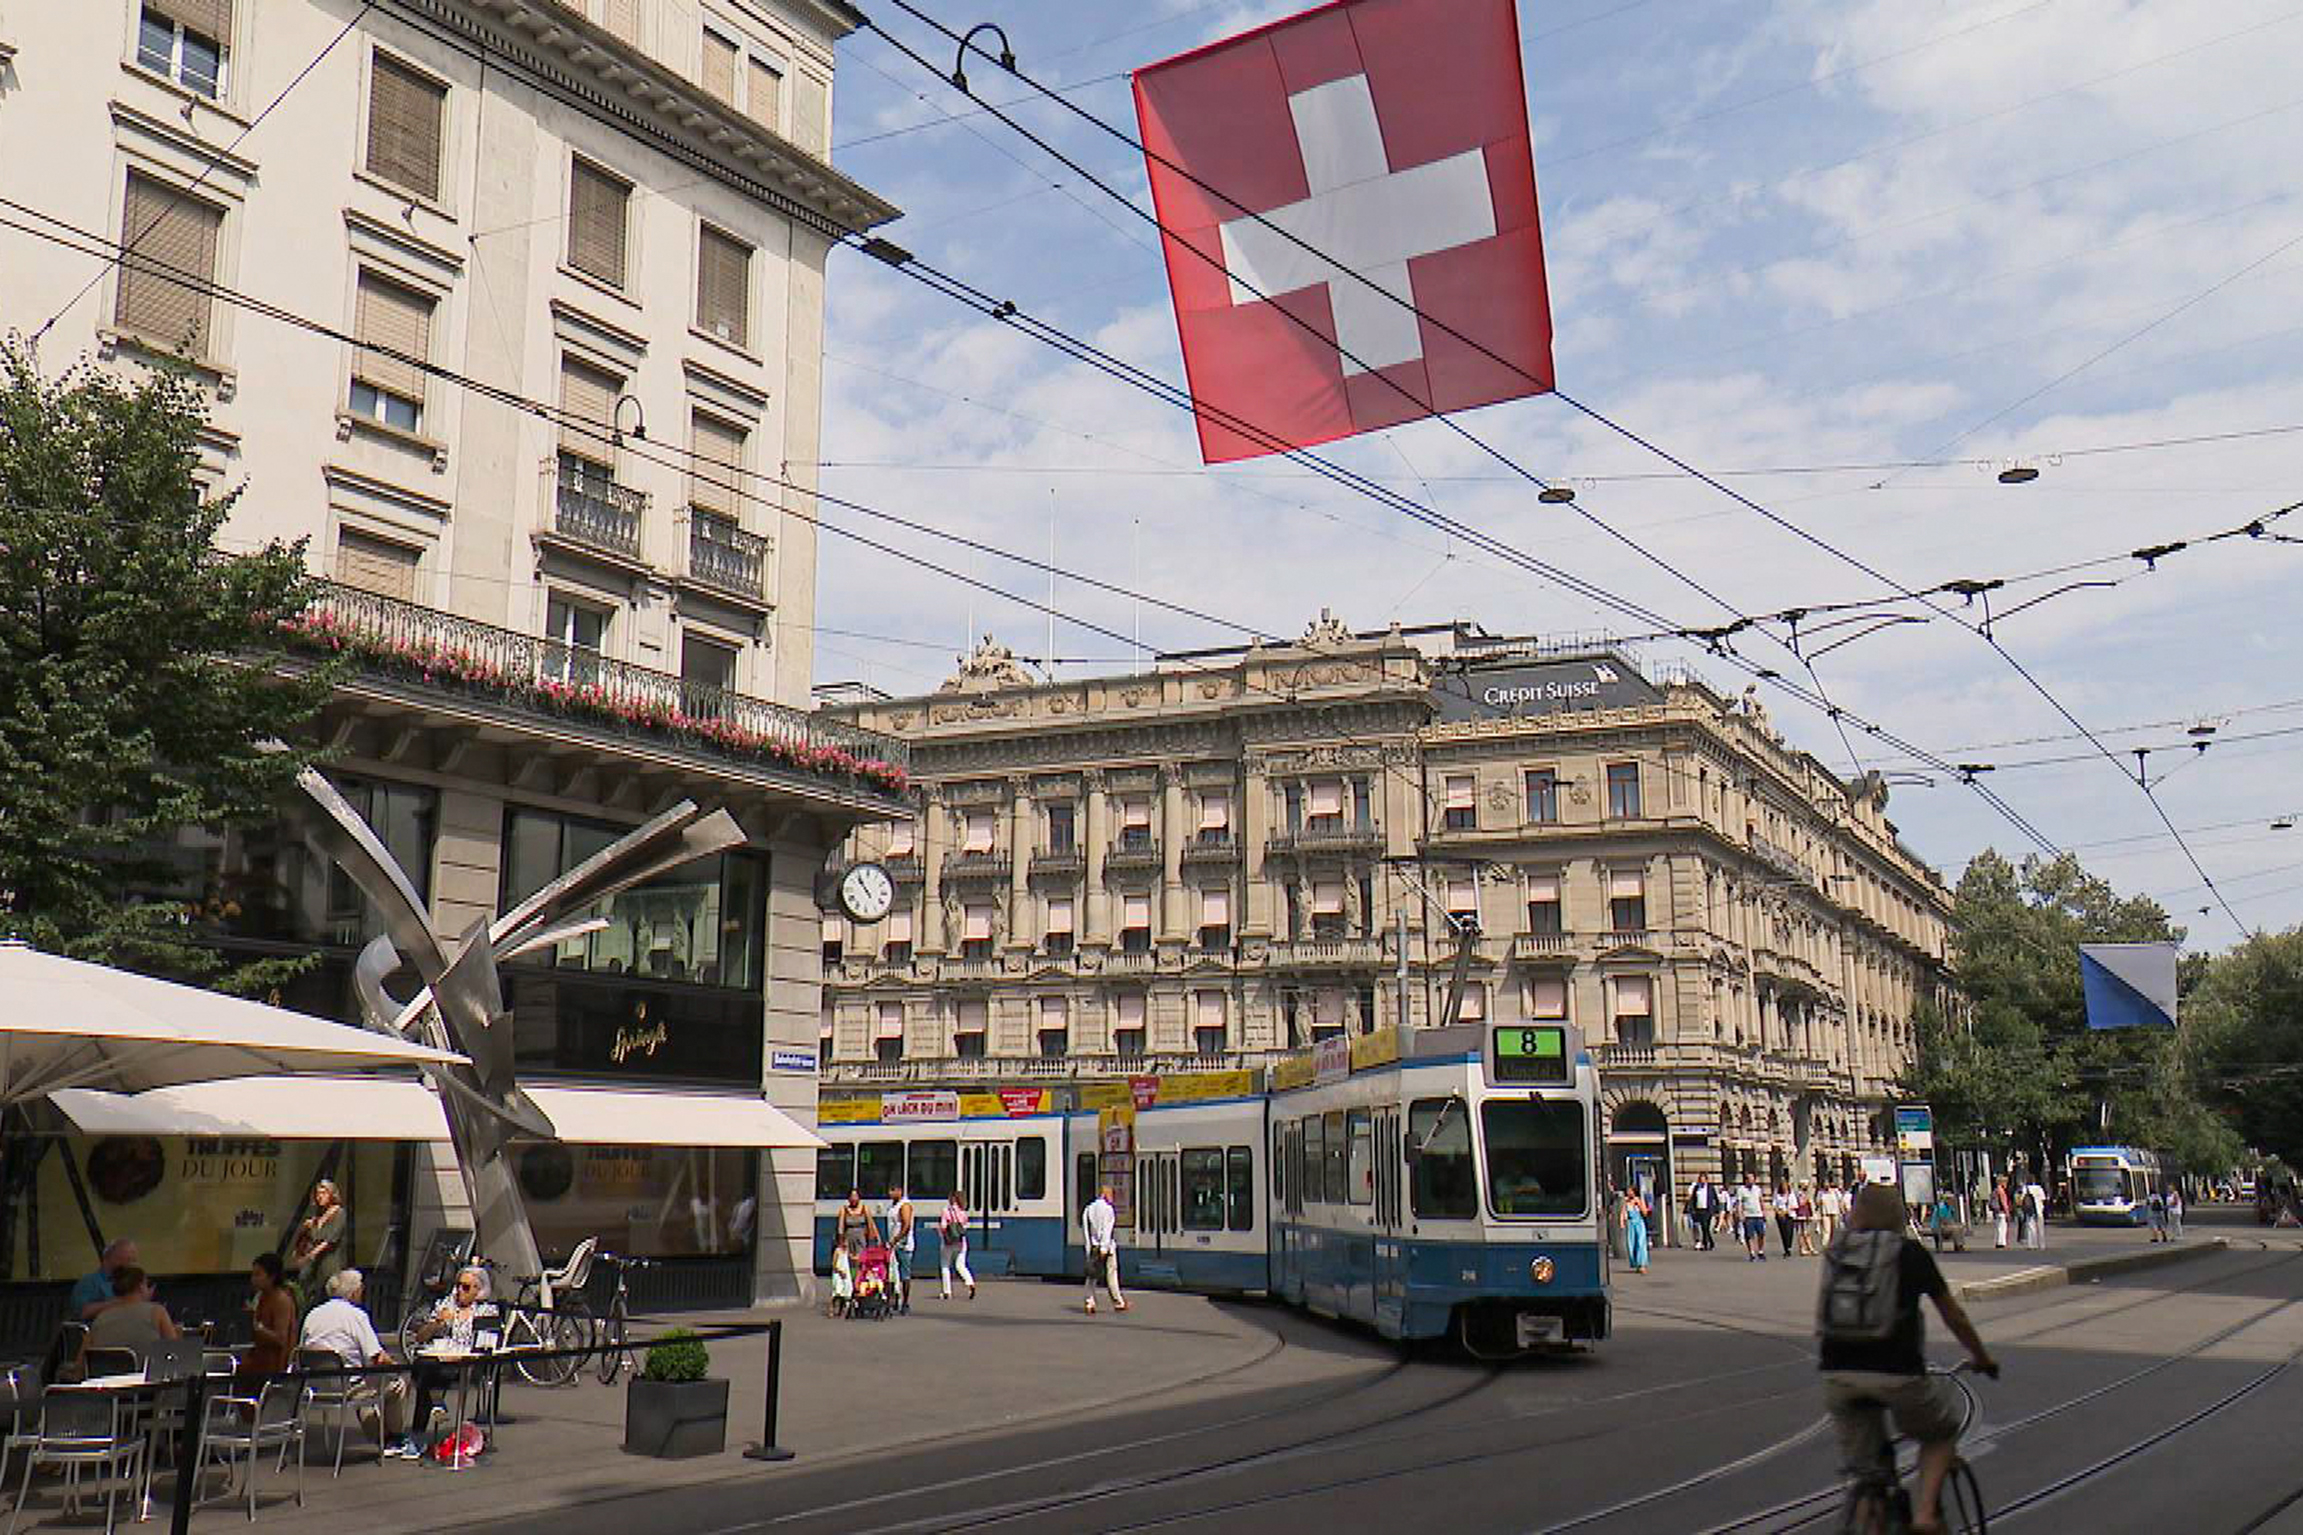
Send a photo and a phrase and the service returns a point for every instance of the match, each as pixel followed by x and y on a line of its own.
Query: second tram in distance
pixel 1430 1184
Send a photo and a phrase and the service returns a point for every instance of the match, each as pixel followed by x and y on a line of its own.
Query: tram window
pixel 1203 1188
pixel 879 1167
pixel 1279 1183
pixel 1032 1167
pixel 1084 1191
pixel 935 1169
pixel 1361 1168
pixel 1239 1185
pixel 835 1172
pixel 1535 1156
pixel 1314 1156
pixel 1443 1186
pixel 1332 1142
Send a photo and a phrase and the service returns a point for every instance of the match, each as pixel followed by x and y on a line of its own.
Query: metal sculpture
pixel 461 1003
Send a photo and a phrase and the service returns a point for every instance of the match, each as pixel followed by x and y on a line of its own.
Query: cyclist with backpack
pixel 1873 1345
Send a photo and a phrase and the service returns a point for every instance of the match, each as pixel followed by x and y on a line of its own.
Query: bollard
pixel 767 1448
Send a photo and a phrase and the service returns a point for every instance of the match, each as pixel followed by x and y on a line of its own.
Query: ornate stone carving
pixel 1325 632
pixel 1579 790
pixel 1500 798
pixel 989 666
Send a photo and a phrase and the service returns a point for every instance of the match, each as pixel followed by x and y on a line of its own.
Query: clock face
pixel 866 892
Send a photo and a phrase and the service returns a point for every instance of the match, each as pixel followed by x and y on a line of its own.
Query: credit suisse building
pixel 1201 866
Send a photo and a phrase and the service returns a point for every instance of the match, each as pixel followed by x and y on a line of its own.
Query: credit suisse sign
pixel 1541 687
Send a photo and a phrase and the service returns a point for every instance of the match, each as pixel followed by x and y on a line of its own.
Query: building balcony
pixel 591 512
pixel 1326 954
pixel 433 668
pixel 1627 938
pixel 1211 848
pixel 962 868
pixel 1067 862
pixel 1139 855
pixel 1623 1057
pixel 954 967
pixel 1349 841
pixel 1539 946
pixel 1780 858
pixel 904 868
pixel 965 1071
pixel 1131 962
pixel 727 561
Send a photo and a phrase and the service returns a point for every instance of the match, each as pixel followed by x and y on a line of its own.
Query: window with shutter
pixel 394 325
pixel 170 243
pixel 972 1018
pixel 588 406
pixel 597 208
pixel 723 286
pixel 719 72
pixel 811 114
pixel 1546 997
pixel 623 20
pixel 405 113
pixel 376 564
pixel 719 457
pixel 764 98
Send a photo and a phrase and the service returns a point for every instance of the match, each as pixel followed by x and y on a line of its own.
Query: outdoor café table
pixel 124 1385
pixel 464 1362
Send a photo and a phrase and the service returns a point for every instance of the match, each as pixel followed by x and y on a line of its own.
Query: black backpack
pixel 1862 1294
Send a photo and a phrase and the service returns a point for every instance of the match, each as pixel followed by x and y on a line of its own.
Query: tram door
pixel 1390 1219
pixel 1159 1188
pixel 987 1183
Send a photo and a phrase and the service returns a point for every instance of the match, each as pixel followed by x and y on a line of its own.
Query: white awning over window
pixel 900 840
pixel 1462 791
pixel 1546 997
pixel 1625 886
pixel 891 1020
pixel 1327 1008
pixel 835 930
pixel 1135 813
pixel 1059 914
pixel 980 825
pixel 1215 908
pixel 1128 1010
pixel 824 1022
pixel 1326 897
pixel 978 920
pixel 1207 1009
pixel 1215 811
pixel 1634 996
pixel 1543 887
pixel 396 1109
pixel 1135 911
pixel 1055 1013
pixel 1327 797
pixel 972 1017
pixel 1462 895
pixel 1474 1003
pixel 900 925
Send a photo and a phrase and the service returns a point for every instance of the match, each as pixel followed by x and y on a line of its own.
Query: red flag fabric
pixel 1390 137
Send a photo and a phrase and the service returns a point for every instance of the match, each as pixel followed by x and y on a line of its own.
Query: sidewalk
pixel 1021 1350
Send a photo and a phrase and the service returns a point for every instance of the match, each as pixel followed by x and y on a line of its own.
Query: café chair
pixel 342 1398
pixel 20 1403
pixel 82 1430
pixel 240 1428
pixel 112 1361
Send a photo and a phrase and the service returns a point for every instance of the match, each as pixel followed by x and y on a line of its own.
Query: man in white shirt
pixel 341 1327
pixel 2035 1202
pixel 1751 1216
pixel 1097 1222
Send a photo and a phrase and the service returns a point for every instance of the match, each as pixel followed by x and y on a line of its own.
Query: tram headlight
pixel 1541 1270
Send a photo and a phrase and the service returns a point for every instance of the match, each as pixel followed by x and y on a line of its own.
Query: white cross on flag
pixel 1313 174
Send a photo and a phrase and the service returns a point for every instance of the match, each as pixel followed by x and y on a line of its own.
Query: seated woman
pixel 137 1322
pixel 453 1323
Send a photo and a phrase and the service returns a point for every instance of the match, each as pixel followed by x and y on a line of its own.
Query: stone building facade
pixel 1239 853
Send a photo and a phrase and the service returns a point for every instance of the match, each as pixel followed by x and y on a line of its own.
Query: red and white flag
pixel 1390 138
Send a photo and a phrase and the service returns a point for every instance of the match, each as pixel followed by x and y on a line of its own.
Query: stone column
pixel 1254 821
pixel 1096 920
pixel 933 834
pixel 1174 923
pixel 1023 926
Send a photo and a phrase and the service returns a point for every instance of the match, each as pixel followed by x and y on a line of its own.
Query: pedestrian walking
pixel 1097 1223
pixel 2035 1214
pixel 903 1237
pixel 2155 1210
pixel 1806 1217
pixel 1999 1211
pixel 1635 1231
pixel 1786 1215
pixel 1702 1211
pixel 2175 1213
pixel 1751 1209
pixel 952 1226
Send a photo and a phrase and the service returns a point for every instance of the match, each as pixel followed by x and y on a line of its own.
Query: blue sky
pixel 1779 236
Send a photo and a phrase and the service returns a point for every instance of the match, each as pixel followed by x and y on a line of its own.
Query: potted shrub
pixel 672 1410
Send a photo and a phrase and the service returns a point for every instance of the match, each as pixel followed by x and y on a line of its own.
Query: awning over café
pixel 397 1109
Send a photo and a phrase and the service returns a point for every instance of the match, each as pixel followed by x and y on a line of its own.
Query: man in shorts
pixel 1866 1380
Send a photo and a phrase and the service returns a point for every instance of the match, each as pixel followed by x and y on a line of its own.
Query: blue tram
pixel 2113 1185
pixel 1438 1183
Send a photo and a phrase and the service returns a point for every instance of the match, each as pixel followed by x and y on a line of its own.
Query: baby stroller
pixel 874 1295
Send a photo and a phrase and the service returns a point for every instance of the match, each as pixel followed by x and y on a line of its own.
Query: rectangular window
pixel 1442 1186
pixel 406 112
pixel 1543 796
pixel 1538 1156
pixel 1135 923
pixel 835 1172
pixel 1031 1167
pixel 598 210
pixel 968 1047
pixel 1239 1189
pixel 977 829
pixel 1462 804
pixel 1327 914
pixel 1313 1182
pixel 764 96
pixel 899 943
pixel 1214 918
pixel 835 939
pixel 720 60
pixel 1627 902
pixel 394 327
pixel 888 1051
pixel 162 292
pixel 1135 823
pixel 1128 1024
pixel 901 840
pixel 1060 918
pixel 976 932
pixel 376 565
pixel 1203 1188
pixel 1215 817
pixel 1360 1168
pixel 1326 1013
pixel 1546 996
pixel 1292 797
pixel 879 1167
pixel 1334 1177
pixel 716 465
pixel 934 1170
pixel 1326 805
pixel 1543 913
pixel 1463 900
pixel 707 673
pixel 723 286
pixel 1623 789
pixel 587 410
pixel 1062 827
pixel 575 634
pixel 1208 1021
pixel 1634 1010
pixel 888 1022
pixel 186 41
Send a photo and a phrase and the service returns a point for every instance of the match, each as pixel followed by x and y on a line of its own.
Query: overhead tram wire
pixel 95 245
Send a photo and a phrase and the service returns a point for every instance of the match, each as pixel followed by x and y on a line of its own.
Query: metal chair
pixel 342 1397
pixel 112 1361
pixel 80 1430
pixel 239 1428
pixel 63 1361
pixel 20 1394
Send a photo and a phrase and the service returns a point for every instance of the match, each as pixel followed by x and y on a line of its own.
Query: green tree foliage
pixel 2247 1015
pixel 135 698
pixel 2022 1071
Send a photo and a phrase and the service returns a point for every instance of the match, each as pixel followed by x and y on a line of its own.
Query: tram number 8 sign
pixel 1531 1053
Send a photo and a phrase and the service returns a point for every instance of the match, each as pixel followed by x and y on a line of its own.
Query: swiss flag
pixel 1390 137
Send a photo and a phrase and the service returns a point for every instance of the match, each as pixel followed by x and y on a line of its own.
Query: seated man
pixel 1873 1356
pixel 95 1292
pixel 340 1326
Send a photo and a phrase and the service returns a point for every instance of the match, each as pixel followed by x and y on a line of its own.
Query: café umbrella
pixel 67 1023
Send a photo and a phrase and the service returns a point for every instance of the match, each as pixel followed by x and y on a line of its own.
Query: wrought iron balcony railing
pixel 591 509
pixel 725 558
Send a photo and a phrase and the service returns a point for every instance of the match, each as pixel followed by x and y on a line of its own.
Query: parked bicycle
pixel 614 1330
pixel 544 1325
pixel 1879 1504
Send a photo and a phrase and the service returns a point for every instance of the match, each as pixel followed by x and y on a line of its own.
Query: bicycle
pixel 1877 1502
pixel 544 1317
pixel 614 1330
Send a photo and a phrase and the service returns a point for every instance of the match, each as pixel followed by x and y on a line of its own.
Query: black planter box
pixel 673 1420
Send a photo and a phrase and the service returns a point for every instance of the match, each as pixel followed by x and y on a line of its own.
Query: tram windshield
pixel 1536 1155
pixel 2104 1185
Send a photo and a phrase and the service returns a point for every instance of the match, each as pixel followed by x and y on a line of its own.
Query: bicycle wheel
pixel 613 1354
pixel 419 1312
pixel 1868 1509
pixel 563 1338
pixel 1963 1511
